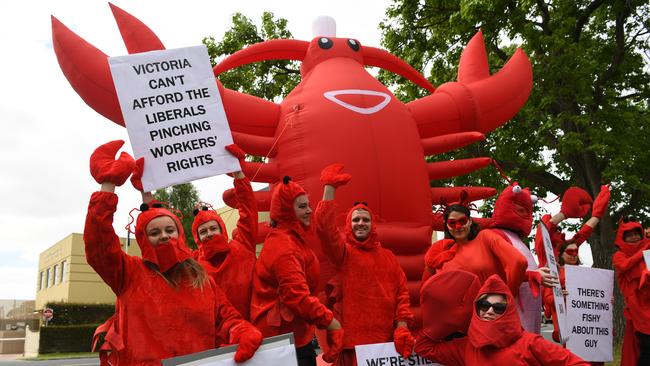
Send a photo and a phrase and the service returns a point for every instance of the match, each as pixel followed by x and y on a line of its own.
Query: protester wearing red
pixel 166 304
pixel 634 281
pixel 495 337
pixel 230 264
pixel 286 278
pixel 368 293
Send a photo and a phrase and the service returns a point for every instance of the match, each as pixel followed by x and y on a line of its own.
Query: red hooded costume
pixel 231 264
pixel 634 281
pixel 154 320
pixel 497 342
pixel 287 274
pixel 368 294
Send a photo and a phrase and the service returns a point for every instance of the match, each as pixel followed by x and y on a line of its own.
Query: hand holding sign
pixel 105 169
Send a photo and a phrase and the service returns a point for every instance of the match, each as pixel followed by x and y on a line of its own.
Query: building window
pixel 63 269
pixel 54 274
pixel 47 278
pixel 41 284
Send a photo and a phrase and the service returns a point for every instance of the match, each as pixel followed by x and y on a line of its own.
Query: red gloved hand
pixel 236 151
pixel 332 176
pixel 335 343
pixel 576 202
pixel 601 201
pixel 403 341
pixel 136 178
pixel 104 168
pixel 248 340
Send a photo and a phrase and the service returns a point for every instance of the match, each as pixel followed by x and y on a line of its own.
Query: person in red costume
pixel 286 278
pixel 482 253
pixel 495 337
pixel 230 264
pixel 166 304
pixel 634 281
pixel 512 219
pixel 368 293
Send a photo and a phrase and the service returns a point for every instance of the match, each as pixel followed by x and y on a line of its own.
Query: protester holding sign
pixel 158 293
pixel 634 281
pixel 230 264
pixel 286 278
pixel 368 293
pixel 495 337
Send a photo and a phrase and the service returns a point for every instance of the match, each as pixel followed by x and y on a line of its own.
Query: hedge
pixel 68 338
pixel 66 313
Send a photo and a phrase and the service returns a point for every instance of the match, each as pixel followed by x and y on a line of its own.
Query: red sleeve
pixel 548 353
pixel 331 239
pixel 246 232
pixel 548 301
pixel 623 263
pixel 514 264
pixel 293 291
pixel 103 249
pixel 450 353
pixel 582 235
pixel 403 310
pixel 227 317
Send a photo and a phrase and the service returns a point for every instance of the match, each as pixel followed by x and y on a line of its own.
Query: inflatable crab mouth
pixel 359 100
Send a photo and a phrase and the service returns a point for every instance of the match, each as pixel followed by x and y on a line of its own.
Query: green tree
pixel 586 121
pixel 181 197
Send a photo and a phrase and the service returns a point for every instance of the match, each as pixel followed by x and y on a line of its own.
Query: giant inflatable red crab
pixel 341 113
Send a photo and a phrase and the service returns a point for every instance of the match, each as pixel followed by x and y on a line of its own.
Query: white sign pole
pixel 174 115
pixel 384 354
pixel 560 307
pixel 589 313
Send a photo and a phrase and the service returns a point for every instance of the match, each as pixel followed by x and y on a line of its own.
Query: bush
pixel 77 314
pixel 69 338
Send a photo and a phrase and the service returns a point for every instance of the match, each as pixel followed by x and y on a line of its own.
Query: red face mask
pixel 169 254
pixel 457 224
pixel 571 252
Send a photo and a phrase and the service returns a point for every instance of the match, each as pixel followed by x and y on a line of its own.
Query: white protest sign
pixel 560 307
pixel 384 354
pixel 274 351
pixel 174 115
pixel 646 257
pixel 589 313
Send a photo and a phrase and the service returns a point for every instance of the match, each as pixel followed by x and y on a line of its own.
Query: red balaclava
pixel 282 211
pixel 447 302
pixel 165 256
pixel 218 243
pixel 624 226
pixel 513 210
pixel 371 241
pixel 501 332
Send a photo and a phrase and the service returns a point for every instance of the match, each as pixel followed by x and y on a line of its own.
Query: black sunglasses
pixel 484 305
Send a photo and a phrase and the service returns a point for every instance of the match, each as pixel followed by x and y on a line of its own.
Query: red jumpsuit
pixel 231 264
pixel 153 320
pixel 286 276
pixel 498 342
pixel 368 293
pixel 630 270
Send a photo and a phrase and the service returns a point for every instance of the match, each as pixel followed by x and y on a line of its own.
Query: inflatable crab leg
pixel 454 168
pixel 477 102
pixel 443 195
pixel 255 145
pixel 442 144
pixel 261 172
pixel 263 199
pixel 136 35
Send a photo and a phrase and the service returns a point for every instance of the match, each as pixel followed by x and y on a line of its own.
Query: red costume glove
pixel 403 341
pixel 236 151
pixel 332 176
pixel 104 168
pixel 335 343
pixel 576 202
pixel 601 201
pixel 248 340
pixel 136 178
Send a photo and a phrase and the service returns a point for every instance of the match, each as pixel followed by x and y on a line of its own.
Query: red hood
pixel 371 241
pixel 626 248
pixel 148 251
pixel 204 216
pixel 447 302
pixel 282 211
pixel 505 211
pixel 501 332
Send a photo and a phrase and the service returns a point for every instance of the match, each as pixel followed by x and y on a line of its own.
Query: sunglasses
pixel 484 305
pixel 457 224
pixel 571 252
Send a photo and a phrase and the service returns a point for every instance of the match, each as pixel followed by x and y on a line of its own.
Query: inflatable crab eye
pixel 325 43
pixel 353 44
pixel 533 198
pixel 516 189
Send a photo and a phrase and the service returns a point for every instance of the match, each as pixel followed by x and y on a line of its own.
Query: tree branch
pixel 540 177
pixel 543 7
pixel 617 59
pixel 584 18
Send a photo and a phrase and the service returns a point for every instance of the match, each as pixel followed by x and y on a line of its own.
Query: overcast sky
pixel 48 132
